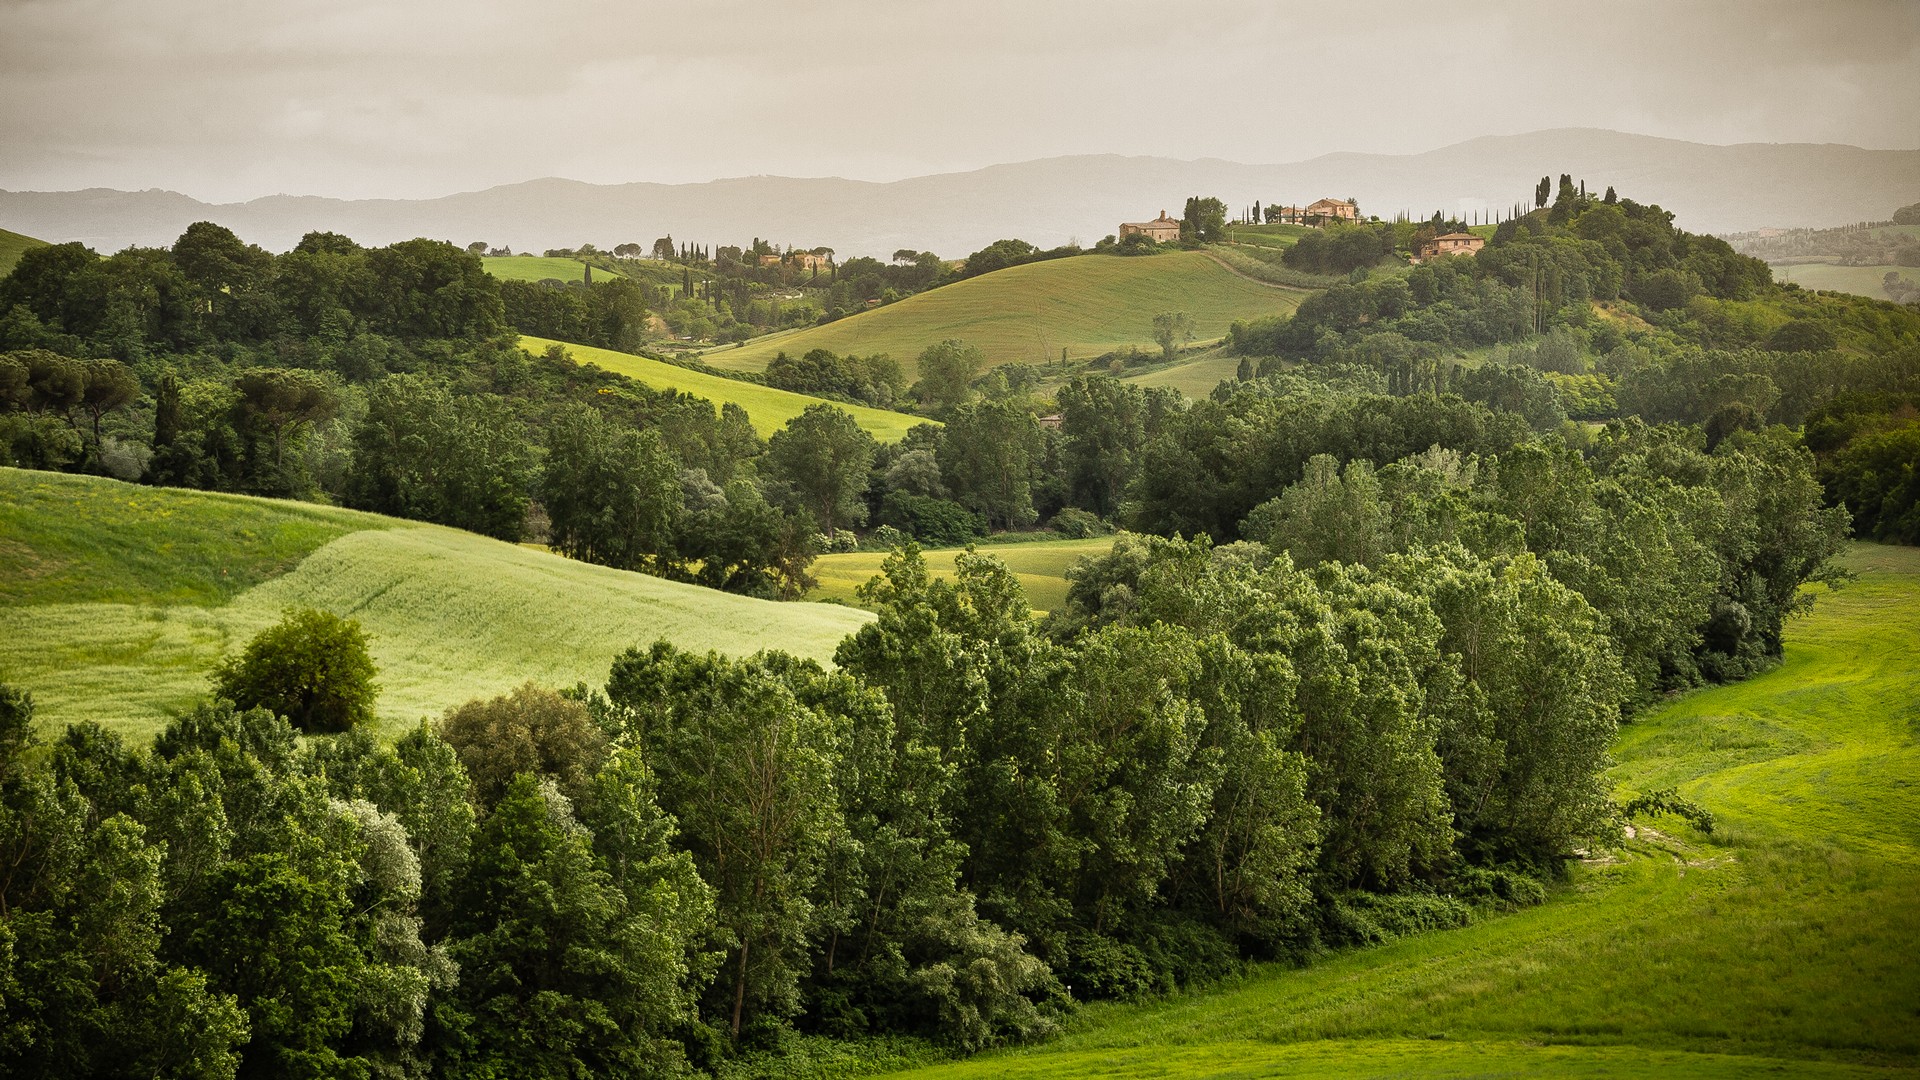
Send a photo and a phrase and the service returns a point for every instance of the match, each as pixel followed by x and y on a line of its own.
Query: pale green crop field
pixel 768 407
pixel 1195 378
pixel 12 246
pixel 1041 566
pixel 1782 944
pixel 119 600
pixel 1267 236
pixel 540 268
pixel 1859 280
pixel 1087 305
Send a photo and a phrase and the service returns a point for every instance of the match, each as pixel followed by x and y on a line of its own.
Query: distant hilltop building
pixel 1332 210
pixel 1322 212
pixel 1162 229
pixel 805 260
pixel 1453 243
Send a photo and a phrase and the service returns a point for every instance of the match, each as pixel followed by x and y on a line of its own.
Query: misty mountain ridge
pixel 1049 201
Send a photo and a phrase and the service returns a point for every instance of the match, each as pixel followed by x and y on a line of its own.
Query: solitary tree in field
pixel 1172 329
pixel 312 668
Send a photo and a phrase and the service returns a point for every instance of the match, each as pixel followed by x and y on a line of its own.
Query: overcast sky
pixel 226 100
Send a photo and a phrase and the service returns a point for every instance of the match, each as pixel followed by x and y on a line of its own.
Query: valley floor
pixel 1784 943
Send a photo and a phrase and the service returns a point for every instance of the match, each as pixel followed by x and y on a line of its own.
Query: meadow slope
pixel 117 600
pixel 12 246
pixel 1782 943
pixel 1196 377
pixel 1087 305
pixel 1040 565
pixel 541 268
pixel 768 407
pixel 1858 280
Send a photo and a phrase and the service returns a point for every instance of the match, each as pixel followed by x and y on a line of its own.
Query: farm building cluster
pixel 1317 214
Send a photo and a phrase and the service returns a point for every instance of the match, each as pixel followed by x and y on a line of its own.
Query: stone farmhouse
pixel 805 260
pixel 1162 229
pixel 1455 243
pixel 1319 213
pixel 1332 210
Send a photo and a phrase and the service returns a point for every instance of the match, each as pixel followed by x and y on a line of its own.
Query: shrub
pixel 1076 524
pixel 312 667
pixel 1670 801
pixel 931 520
pixel 1188 952
pixel 1099 967
pixel 1497 887
pixel 1375 919
pixel 836 542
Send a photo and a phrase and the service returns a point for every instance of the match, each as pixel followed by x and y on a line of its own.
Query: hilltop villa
pixel 1332 210
pixel 1453 243
pixel 805 260
pixel 1162 229
pixel 1319 213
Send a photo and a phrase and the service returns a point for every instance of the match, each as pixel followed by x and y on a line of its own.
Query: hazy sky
pixel 224 99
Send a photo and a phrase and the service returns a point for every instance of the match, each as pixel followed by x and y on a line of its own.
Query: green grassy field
pixel 12 246
pixel 1041 566
pixel 1782 944
pixel 1859 280
pixel 117 600
pixel 1267 236
pixel 1195 378
pixel 768 407
pixel 540 268
pixel 1087 305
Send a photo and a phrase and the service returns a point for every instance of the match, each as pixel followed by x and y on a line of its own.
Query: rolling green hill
pixel 12 246
pixel 1858 280
pixel 1087 305
pixel 768 407
pixel 540 268
pixel 117 600
pixel 1041 566
pixel 1782 943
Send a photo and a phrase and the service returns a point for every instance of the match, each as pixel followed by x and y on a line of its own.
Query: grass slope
pixel 768 407
pixel 12 246
pixel 1858 280
pixel 1195 378
pixel 1783 943
pixel 1087 305
pixel 1041 566
pixel 118 601
pixel 1279 237
pixel 540 268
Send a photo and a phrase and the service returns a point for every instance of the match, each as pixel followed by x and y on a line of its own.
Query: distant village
pixel 1317 215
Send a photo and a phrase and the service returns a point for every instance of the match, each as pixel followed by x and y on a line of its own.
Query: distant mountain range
pixel 1711 189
